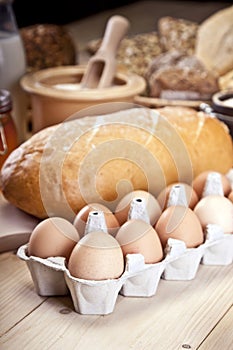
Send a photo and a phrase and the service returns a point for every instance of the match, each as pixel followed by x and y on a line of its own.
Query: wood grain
pixel 222 335
pixel 18 297
pixel 192 313
pixel 153 102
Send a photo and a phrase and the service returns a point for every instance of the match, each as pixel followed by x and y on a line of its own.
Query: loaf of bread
pixel 177 34
pixel 135 52
pixel 101 158
pixel 214 43
pixel 176 75
pixel 226 81
pixel 48 45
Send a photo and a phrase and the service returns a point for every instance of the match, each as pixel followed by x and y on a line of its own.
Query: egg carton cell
pixel 47 274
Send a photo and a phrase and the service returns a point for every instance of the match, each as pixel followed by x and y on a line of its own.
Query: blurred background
pixel 60 12
pixel 64 12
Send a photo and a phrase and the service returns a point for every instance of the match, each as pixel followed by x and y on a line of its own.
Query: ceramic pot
pixel 56 95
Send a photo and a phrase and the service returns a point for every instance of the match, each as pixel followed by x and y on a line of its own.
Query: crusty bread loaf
pixel 101 158
pixel 176 75
pixel 214 43
pixel 226 81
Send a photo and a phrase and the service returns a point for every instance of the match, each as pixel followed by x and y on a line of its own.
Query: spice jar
pixel 8 132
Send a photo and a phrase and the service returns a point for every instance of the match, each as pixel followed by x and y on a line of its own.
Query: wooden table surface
pixel 194 314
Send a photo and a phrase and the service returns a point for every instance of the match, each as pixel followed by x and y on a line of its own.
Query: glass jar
pixel 8 132
pixel 13 65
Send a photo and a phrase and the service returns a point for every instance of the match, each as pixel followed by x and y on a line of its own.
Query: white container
pixel 13 65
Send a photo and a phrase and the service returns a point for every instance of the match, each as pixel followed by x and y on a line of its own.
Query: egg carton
pixel 47 274
pixel 52 278
pixel 218 250
pixel 183 262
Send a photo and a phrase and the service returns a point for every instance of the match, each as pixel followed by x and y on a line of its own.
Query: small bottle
pixel 13 65
pixel 8 132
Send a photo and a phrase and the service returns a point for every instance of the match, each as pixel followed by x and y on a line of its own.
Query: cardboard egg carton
pixel 52 278
pixel 47 274
pixel 218 247
pixel 183 262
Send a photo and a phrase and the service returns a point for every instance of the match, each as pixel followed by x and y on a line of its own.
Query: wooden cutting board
pixel 15 226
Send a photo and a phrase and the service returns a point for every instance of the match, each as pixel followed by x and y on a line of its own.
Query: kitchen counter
pixel 194 314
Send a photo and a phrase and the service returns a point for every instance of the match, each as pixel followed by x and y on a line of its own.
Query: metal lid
pixel 5 101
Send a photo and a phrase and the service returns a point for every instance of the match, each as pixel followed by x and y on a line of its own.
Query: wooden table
pixel 196 314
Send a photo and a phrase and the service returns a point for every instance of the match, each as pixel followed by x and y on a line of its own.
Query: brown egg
pixel 230 196
pixel 97 256
pixel 82 216
pixel 181 223
pixel 215 210
pixel 200 180
pixel 152 206
pixel 191 195
pixel 53 237
pixel 137 236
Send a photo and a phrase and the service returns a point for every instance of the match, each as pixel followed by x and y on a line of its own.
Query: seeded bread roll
pixel 101 158
pixel 48 45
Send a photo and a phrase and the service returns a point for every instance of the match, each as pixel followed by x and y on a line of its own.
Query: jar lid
pixel 5 101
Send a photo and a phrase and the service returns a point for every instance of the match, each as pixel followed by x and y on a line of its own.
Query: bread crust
pixel 48 45
pixel 99 159
pixel 177 34
pixel 214 43
pixel 177 74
